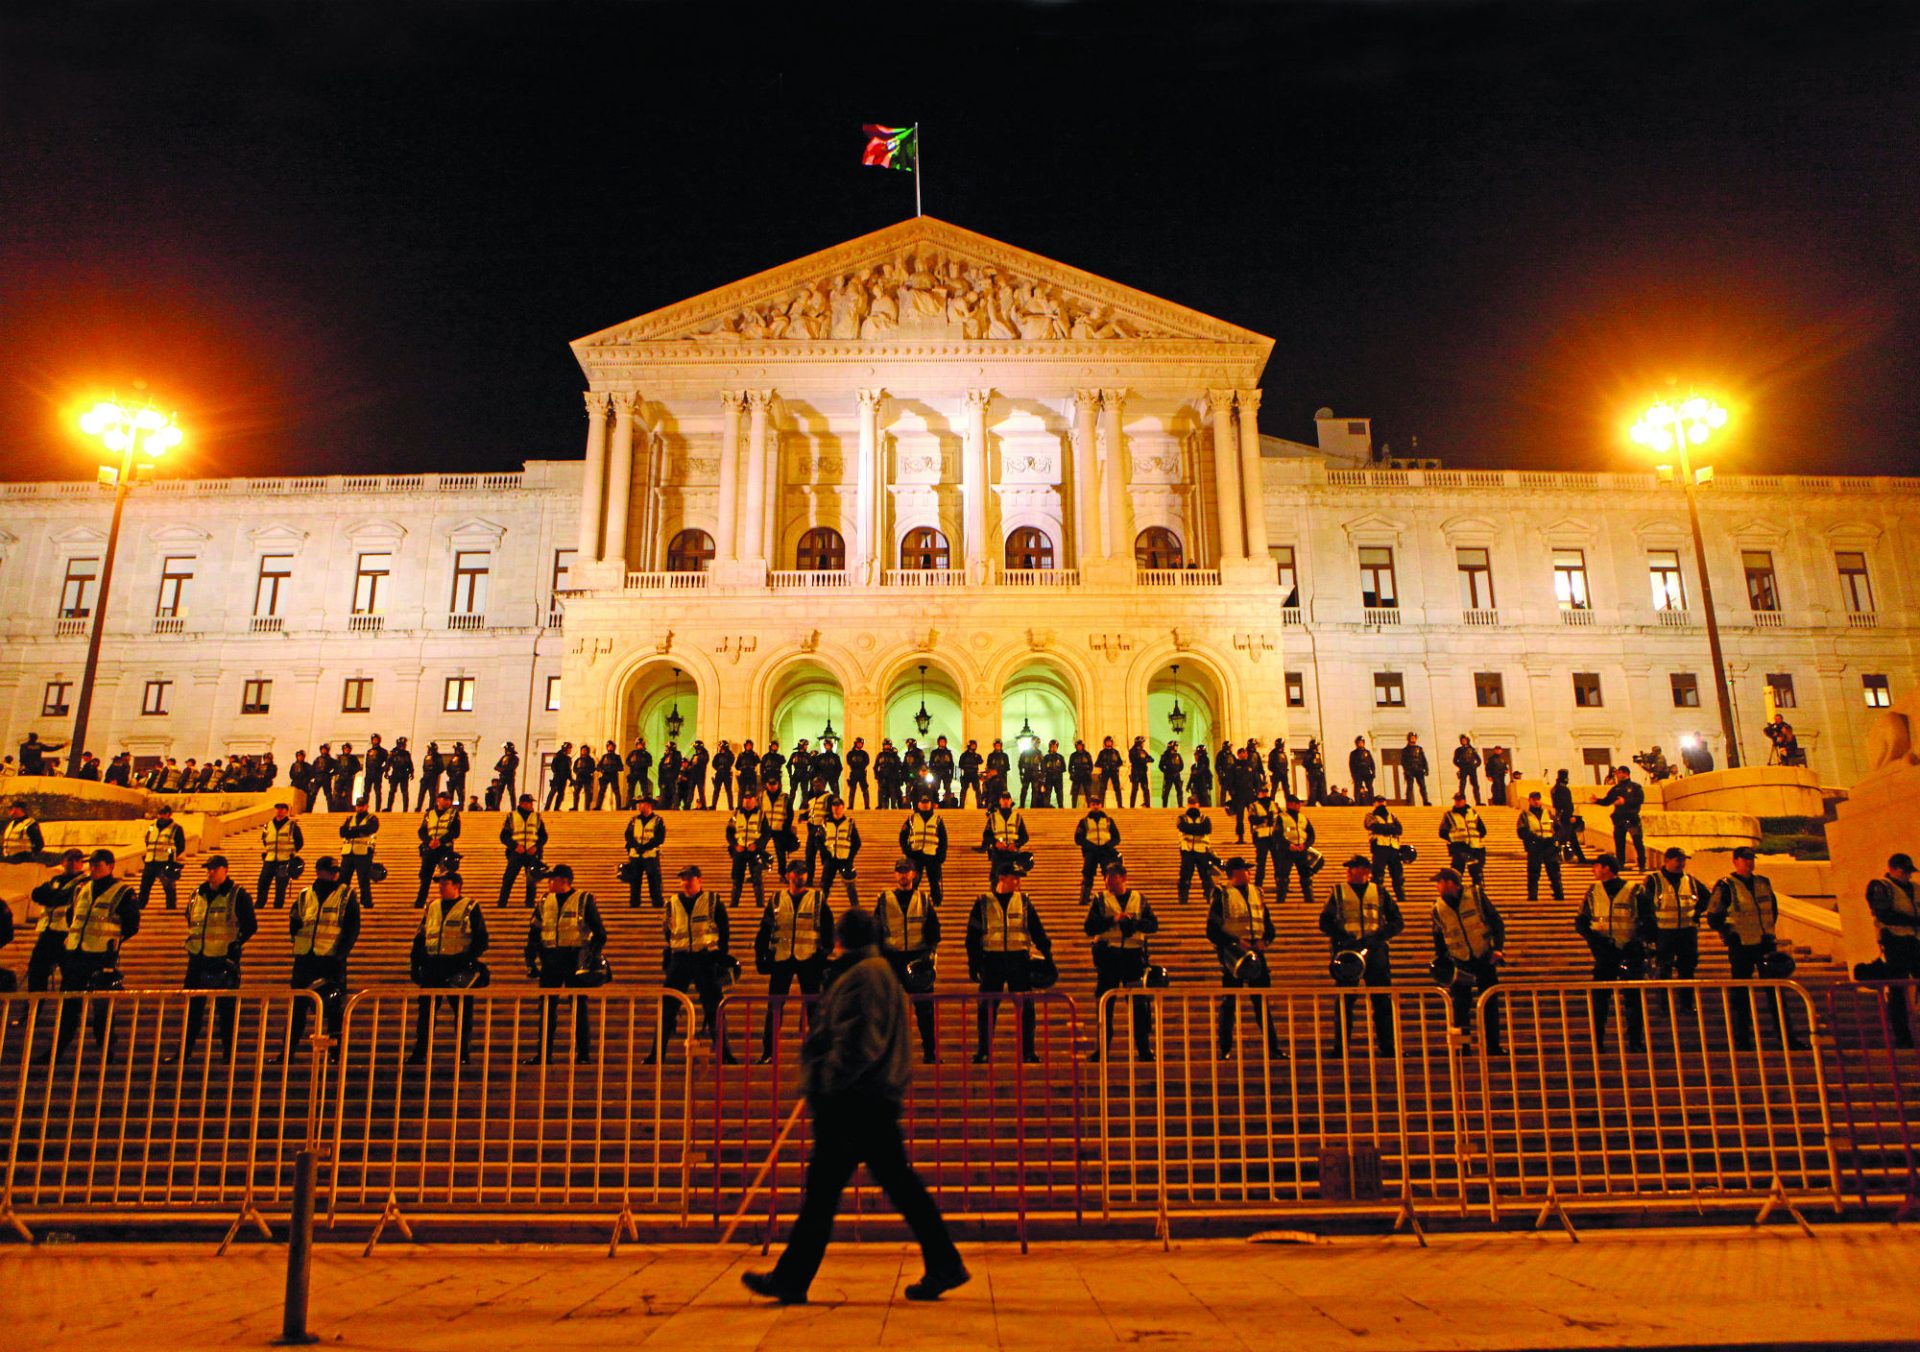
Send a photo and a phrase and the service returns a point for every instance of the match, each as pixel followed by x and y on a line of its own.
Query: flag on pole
pixel 891 147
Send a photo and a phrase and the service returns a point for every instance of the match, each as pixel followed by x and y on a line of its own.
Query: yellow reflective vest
pixel 357 844
pixel 1006 927
pixel 903 928
pixel 1260 819
pixel 1005 828
pixel 1615 917
pixel 16 837
pixel 1293 829
pixel 212 927
pixel 276 842
pixel 1902 920
pixel 1099 829
pixel 1465 931
pixel 448 927
pixel 1244 914
pixel 159 843
pixel 796 925
pixel 1132 904
pixel 562 919
pixel 524 831
pixel 648 832
pixel 690 924
pixel 1359 911
pixel 438 823
pixel 1539 827
pixel 1674 908
pixel 923 834
pixel 837 837
pixel 93 925
pixel 1377 834
pixel 1751 908
pixel 317 922
pixel 748 828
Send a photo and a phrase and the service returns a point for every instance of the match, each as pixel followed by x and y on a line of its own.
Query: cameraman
pixel 1786 746
pixel 1626 798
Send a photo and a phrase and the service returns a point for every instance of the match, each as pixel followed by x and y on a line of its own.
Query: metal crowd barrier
pixel 1695 1117
pixel 1877 1069
pixel 996 1141
pixel 486 1137
pixel 1311 1121
pixel 114 1129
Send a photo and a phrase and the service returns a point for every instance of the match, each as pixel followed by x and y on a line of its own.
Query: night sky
pixel 360 238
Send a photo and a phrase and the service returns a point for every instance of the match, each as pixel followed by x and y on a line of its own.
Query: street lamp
pixel 674 721
pixel 1673 429
pixel 923 720
pixel 1177 717
pixel 123 430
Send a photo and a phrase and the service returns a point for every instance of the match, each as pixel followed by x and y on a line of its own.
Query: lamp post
pixel 123 430
pixel 1675 429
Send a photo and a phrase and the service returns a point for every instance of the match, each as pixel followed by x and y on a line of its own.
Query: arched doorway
pixel 1157 547
pixel 1192 688
pixel 1038 696
pixel 939 696
pixel 662 705
pixel 806 701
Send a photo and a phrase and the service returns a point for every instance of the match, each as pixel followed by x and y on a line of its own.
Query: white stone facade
pixel 1041 421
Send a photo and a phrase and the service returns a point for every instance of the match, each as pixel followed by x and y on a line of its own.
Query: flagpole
pixel 916 169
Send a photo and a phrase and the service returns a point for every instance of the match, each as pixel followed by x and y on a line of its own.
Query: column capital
pixel 731 400
pixel 979 399
pixel 596 403
pixel 1220 402
pixel 871 399
pixel 624 402
pixel 758 400
pixel 1249 402
pixel 1113 398
pixel 1086 398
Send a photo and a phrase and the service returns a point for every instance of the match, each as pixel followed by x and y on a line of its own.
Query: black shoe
pixel 1226 1052
pixel 979 1058
pixel 1743 1044
pixel 1031 1058
pixel 1636 1045
pixel 1144 1058
pixel 171 1059
pixel 763 1058
pixel 415 1058
pixel 583 1058
pixel 727 1058
pixel 1904 1044
pixel 765 1284
pixel 535 1060
pixel 1799 1044
pixel 936 1284
pixel 1274 1051
pixel 650 1059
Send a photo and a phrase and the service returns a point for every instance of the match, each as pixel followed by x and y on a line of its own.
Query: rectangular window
pixel 55 700
pixel 1377 591
pixel 1296 690
pixel 1782 686
pixel 1489 690
pixel 1586 690
pixel 1286 575
pixel 369 579
pixel 1389 691
pixel 470 568
pixel 356 696
pixel 256 696
pixel 76 592
pixel 459 696
pixel 1879 695
pixel 1598 759
pixel 1570 579
pixel 1855 586
pixel 175 574
pixel 1476 579
pixel 1669 588
pixel 562 567
pixel 1686 690
pixel 275 569
pixel 157 697
pixel 553 694
pixel 1763 592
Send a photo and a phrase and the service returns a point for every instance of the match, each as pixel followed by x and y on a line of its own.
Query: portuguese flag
pixel 891 147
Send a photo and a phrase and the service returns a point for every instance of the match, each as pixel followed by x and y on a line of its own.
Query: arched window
pixel 1029 548
pixel 689 552
pixel 924 548
pixel 822 550
pixel 1157 547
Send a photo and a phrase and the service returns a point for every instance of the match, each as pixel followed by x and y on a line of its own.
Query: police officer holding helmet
pixel 1240 928
pixel 446 957
pixel 1003 934
pixel 1615 920
pixel 1360 920
pixel 793 943
pixel 909 934
pixel 1743 912
pixel 324 926
pixel 220 920
pixel 696 957
pixel 1896 916
pixel 280 844
pixel 565 937
pixel 1468 936
pixel 1119 921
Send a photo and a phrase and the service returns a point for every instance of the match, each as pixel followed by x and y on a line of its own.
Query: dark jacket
pixel 858 1048
pixel 1625 798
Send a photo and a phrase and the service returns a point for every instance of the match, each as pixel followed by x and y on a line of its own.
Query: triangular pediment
pixel 923 281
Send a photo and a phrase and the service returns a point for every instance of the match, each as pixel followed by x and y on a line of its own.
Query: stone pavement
pixel 1852 1284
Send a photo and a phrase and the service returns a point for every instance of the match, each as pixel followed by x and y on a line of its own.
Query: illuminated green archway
pixel 1193 689
pixel 941 702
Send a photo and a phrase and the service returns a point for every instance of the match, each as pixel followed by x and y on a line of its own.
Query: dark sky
pixel 360 237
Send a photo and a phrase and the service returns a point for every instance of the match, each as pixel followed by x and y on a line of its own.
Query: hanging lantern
pixel 674 721
pixel 923 720
pixel 1177 717
pixel 827 734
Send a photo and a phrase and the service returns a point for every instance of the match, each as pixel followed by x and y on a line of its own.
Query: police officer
pixel 1743 911
pixel 1616 920
pixel 940 764
pixel 857 762
pixel 20 837
pixel 1296 838
pixel 1033 786
pixel 994 776
pixel 1896 918
pixel 747 846
pixel 1383 844
pixel 1240 928
pixel 1003 934
pixel 1360 918
pixel 1098 837
pixel 377 760
pixel 909 928
pixel 524 835
pixel 1080 774
pixel 439 829
pixel 433 768
pixel 923 839
pixel 559 772
pixel 1196 849
pixel 280 844
pixel 646 833
pixel 1172 773
pixel 161 847
pixel 698 946
pixel 777 808
pixel 220 920
pixel 610 767
pixel 1468 936
pixel 886 775
pixel 446 952
pixel 1678 900
pixel 1413 764
pixel 1361 768
pixel 1463 829
pixel 399 777
pixel 1053 769
pixel 1119 921
pixel 324 926
pixel 356 849
pixel 817 804
pixel 54 897
pixel 640 771
pixel 1107 766
pixel 839 843
pixel 1263 821
pixel 1139 764
pixel 1536 830
pixel 1005 836
pixel 565 937
pixel 1626 799
pixel 794 941
pixel 104 914
pixel 1466 766
pixel 1566 831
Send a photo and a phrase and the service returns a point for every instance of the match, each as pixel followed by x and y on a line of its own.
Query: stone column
pixel 1251 481
pixel 1119 520
pixel 866 549
pixel 596 471
pixel 1086 506
pixel 1226 476
pixel 727 547
pixel 753 524
pixel 974 483
pixel 619 481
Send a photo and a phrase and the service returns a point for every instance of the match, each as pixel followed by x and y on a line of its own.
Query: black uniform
pixel 1626 798
pixel 324 925
pixel 565 937
pixel 1896 918
pixel 103 914
pixel 1616 920
pixel 165 842
pixel 1467 932
pixel 276 858
pixel 1139 762
pixel 1239 924
pixel 923 839
pixel 1098 837
pixel 356 853
pixel 1002 933
pixel 1196 851
pixel 220 920
pixel 1363 919
pixel 1539 838
pixel 446 949
pixel 1119 926
pixel 909 931
pixel 699 943
pixel 1413 765
pixel 793 943
pixel 1107 766
pixel 857 762
pixel 645 836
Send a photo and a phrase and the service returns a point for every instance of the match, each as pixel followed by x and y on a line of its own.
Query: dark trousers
pixel 699 973
pixel 1109 788
pixel 78 972
pixel 1745 961
pixel 969 782
pixel 1485 977
pixel 857 788
pixel 274 875
pixel 1265 849
pixel 1193 864
pixel 582 794
pixel 307 969
pixel 723 784
pixel 429 862
pixel 429 785
pixel 1565 832
pixel 557 966
pixel 1114 968
pixel 608 787
pixel 1468 779
pixel 517 865
pixel 1497 789
pixel 923 1008
pixel 837 870
pixel 637 788
pixel 201 975
pixel 930 875
pixel 1170 791
pixel 1418 784
pixel 779 985
pixel 748 867
pixel 1386 864
pixel 649 878
pixel 1378 972
pixel 423 1020
pixel 556 797
pixel 1624 829
pixel 1091 864
pixel 848 1132
pixel 149 875
pixel 1286 862
pixel 1676 957
pixel 1228 1014
pixel 1903 964
pixel 1139 792
pixel 1543 858
pixel 1612 963
pixel 1469 861
pixel 358 868
pixel 48 948
pixel 1010 973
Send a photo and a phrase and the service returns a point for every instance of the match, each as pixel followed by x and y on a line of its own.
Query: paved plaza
pixel 1851 1285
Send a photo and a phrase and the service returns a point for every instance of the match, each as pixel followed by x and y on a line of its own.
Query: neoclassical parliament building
pixel 926 470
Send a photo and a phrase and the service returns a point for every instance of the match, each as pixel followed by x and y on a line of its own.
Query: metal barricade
pixel 1871 1023
pixel 1691 1098
pixel 423 1129
pixel 107 1121
pixel 996 1141
pixel 1260 1102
